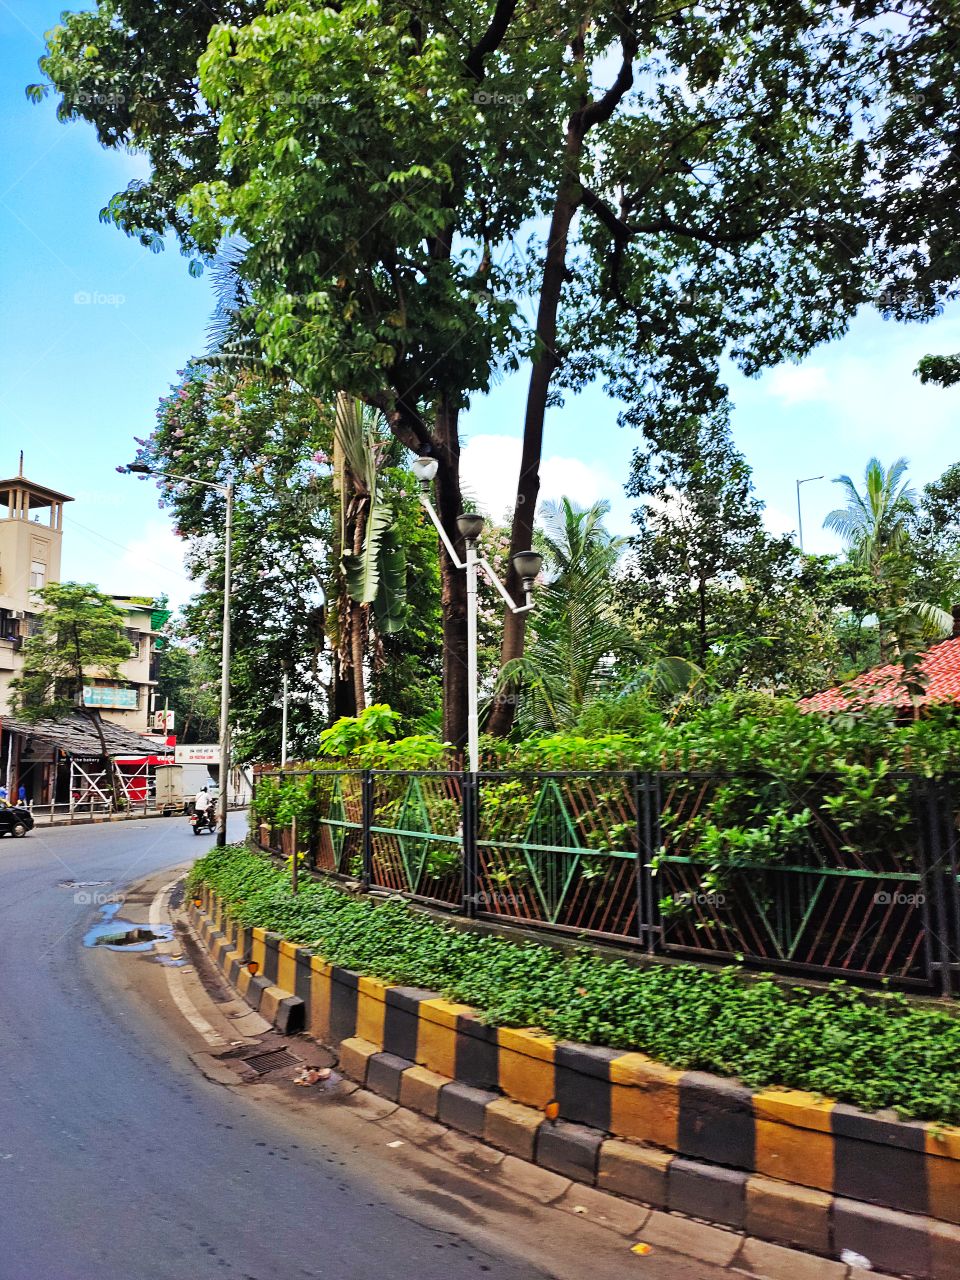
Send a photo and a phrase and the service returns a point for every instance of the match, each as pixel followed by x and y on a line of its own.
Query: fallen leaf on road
pixel 641 1248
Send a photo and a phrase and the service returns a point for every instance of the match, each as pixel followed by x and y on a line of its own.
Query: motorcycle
pixel 205 820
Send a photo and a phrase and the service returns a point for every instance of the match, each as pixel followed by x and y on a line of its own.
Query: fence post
pixel 468 826
pixel 294 862
pixel 314 823
pixel 366 798
pixel 646 825
pixel 937 870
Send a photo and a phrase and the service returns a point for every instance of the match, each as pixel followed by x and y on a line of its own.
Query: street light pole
pixel 141 468
pixel 225 668
pixel 799 510
pixel 473 695
pixel 527 565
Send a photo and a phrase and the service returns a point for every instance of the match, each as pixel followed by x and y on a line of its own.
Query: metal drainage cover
pixel 272 1060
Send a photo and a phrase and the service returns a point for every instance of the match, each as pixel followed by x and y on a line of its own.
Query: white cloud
pixel 797 384
pixel 150 565
pixel 490 464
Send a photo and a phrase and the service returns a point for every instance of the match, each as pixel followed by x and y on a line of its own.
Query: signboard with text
pixel 197 753
pixel 110 697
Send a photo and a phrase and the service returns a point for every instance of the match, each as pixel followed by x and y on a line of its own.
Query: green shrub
pixel 874 1052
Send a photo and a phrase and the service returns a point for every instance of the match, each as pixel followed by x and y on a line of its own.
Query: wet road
pixel 119 1161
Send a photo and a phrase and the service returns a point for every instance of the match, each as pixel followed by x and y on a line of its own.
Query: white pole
pixel 473 718
pixel 225 669
pixel 283 725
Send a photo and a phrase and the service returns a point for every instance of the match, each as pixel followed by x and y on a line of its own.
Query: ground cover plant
pixel 874 1051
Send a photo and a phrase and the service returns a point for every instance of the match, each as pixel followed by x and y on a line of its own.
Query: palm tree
pixel 875 527
pixel 874 524
pixel 577 632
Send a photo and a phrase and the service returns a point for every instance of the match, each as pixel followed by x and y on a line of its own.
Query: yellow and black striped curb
pixel 779 1164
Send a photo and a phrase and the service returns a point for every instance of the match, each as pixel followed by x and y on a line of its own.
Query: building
pixel 57 762
pixel 883 686
pixel 31 537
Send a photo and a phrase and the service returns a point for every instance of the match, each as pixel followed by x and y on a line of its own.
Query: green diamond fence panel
pixel 796 876
pixel 416 835
pixel 560 851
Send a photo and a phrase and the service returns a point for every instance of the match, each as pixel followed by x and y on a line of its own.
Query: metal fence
pixel 692 865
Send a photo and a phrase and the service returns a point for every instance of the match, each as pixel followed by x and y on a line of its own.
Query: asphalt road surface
pixel 120 1161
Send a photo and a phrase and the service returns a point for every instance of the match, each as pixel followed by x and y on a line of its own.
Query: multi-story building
pixel 31 536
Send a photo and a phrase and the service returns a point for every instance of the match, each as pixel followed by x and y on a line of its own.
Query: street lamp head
pixel 424 469
pixel 527 565
pixel 139 468
pixel 470 526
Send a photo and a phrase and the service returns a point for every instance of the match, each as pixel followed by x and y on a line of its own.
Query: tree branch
pixel 491 38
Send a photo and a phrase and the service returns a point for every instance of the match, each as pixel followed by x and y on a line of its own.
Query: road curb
pixel 792 1169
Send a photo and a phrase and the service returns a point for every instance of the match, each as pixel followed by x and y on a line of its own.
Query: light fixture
pixel 527 565
pixel 470 526
pixel 138 468
pixel 253 967
pixel 424 469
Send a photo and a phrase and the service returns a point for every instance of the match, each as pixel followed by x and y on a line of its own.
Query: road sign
pixel 196 753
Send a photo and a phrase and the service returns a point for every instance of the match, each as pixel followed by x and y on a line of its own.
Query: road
pixel 118 1159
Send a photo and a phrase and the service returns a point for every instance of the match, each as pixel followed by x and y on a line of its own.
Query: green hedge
pixel 872 1052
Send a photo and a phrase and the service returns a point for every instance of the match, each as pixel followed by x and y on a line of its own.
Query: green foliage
pixel 874 1052
pixel 346 735
pixel 704 580
pixel 577 632
pixel 79 637
pixel 188 680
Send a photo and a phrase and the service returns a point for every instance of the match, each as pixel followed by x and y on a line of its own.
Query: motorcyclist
pixel 202 807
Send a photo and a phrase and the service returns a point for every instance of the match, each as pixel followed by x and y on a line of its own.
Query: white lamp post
pixel 140 468
pixel 527 565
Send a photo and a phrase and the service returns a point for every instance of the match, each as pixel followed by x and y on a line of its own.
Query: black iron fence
pixel 817 878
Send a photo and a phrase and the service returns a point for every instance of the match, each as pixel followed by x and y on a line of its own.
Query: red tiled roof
pixel 940 665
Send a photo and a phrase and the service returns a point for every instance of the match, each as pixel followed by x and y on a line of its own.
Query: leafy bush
pixel 873 1052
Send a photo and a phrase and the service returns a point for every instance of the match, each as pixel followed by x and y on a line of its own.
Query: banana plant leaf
pixel 362 572
pixel 390 604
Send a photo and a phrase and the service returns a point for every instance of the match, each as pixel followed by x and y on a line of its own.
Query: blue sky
pixel 95 328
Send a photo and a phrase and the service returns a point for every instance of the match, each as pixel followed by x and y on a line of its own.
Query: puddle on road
pixel 123 935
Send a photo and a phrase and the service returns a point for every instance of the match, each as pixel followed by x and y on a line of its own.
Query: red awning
pixel 139 761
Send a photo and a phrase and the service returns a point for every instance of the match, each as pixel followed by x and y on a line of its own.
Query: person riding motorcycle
pixel 202 810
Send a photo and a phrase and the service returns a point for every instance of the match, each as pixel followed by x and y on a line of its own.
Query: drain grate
pixel 272 1060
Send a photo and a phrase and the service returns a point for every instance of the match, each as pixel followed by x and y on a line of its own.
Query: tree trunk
pixel 453 583
pixel 94 718
pixel 342 700
pixel 528 484
pixel 546 359
pixel 702 622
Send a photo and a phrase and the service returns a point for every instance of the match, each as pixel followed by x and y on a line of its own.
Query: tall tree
pixel 704 580
pixel 719 177
pixel 79 638
pixel 874 524
pixel 878 527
